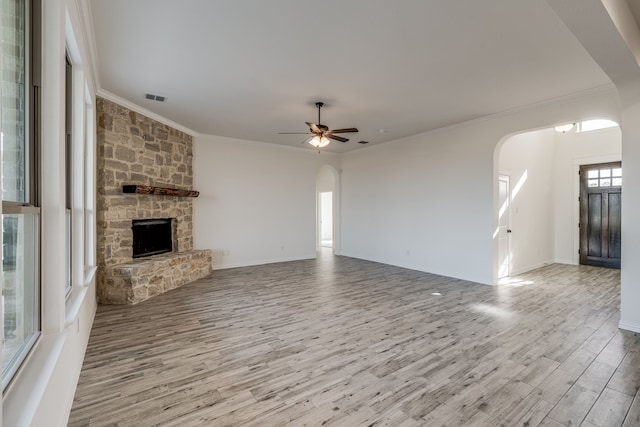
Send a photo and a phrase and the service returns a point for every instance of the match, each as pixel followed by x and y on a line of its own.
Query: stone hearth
pixel 136 150
pixel 146 277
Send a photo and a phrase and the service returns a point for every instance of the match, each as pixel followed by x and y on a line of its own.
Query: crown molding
pixel 584 94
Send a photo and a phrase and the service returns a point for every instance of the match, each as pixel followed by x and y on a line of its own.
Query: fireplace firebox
pixel 151 237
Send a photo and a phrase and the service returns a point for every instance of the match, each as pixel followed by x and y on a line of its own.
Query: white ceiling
pixel 252 68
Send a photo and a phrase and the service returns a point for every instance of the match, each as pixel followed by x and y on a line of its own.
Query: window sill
pixel 89 274
pixel 77 296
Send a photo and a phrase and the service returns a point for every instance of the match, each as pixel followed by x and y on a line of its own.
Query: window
pixel 68 150
pixel 89 171
pixel 605 177
pixel 20 211
pixel 597 124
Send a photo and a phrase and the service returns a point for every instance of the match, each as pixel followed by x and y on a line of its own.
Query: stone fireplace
pixel 136 150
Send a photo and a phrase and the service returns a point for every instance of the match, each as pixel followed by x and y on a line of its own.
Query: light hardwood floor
pixel 345 342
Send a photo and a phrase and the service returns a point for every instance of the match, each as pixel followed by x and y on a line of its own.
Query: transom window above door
pixel 604 177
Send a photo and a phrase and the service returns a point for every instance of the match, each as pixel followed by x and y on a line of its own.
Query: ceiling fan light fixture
pixel 322 135
pixel 319 141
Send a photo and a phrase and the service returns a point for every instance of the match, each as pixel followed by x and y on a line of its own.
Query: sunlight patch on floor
pixel 492 310
pixel 515 282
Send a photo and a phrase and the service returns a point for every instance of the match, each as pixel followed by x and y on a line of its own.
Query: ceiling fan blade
pixel 314 127
pixel 347 130
pixel 336 138
pixel 294 133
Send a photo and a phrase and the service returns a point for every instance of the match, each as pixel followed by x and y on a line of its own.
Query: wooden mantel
pixel 159 191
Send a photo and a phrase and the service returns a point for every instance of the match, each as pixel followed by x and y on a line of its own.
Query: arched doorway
pixel 537 212
pixel 327 208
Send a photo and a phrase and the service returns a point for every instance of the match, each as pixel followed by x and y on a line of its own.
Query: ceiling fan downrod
pixel 319 105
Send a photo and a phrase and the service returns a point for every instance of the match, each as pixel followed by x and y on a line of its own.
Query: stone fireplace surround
pixel 134 149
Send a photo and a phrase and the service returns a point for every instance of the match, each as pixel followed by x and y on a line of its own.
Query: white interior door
pixel 504 218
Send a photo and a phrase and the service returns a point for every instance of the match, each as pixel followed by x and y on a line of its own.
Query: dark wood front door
pixel 600 213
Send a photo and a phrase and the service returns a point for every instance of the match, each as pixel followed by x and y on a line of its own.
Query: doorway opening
pixel 327 209
pixel 326 219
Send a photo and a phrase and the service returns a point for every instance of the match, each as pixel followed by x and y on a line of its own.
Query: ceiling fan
pixel 322 135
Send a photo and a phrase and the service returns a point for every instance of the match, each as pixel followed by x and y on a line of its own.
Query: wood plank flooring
pixel 344 342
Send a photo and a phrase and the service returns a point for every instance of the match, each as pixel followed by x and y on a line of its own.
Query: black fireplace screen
pixel 151 237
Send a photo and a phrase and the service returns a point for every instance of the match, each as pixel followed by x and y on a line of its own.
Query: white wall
pixel 427 202
pixel 413 203
pixel 325 180
pixel 572 150
pixel 257 201
pixel 528 160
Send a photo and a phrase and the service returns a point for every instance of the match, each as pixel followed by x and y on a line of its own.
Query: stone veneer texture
pixel 134 149
pixel 151 276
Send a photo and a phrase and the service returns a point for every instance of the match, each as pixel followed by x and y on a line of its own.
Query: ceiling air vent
pixel 363 142
pixel 153 97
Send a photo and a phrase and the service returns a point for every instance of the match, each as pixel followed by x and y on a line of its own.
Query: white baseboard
pixel 565 261
pixel 531 267
pixel 629 326
pixel 259 262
